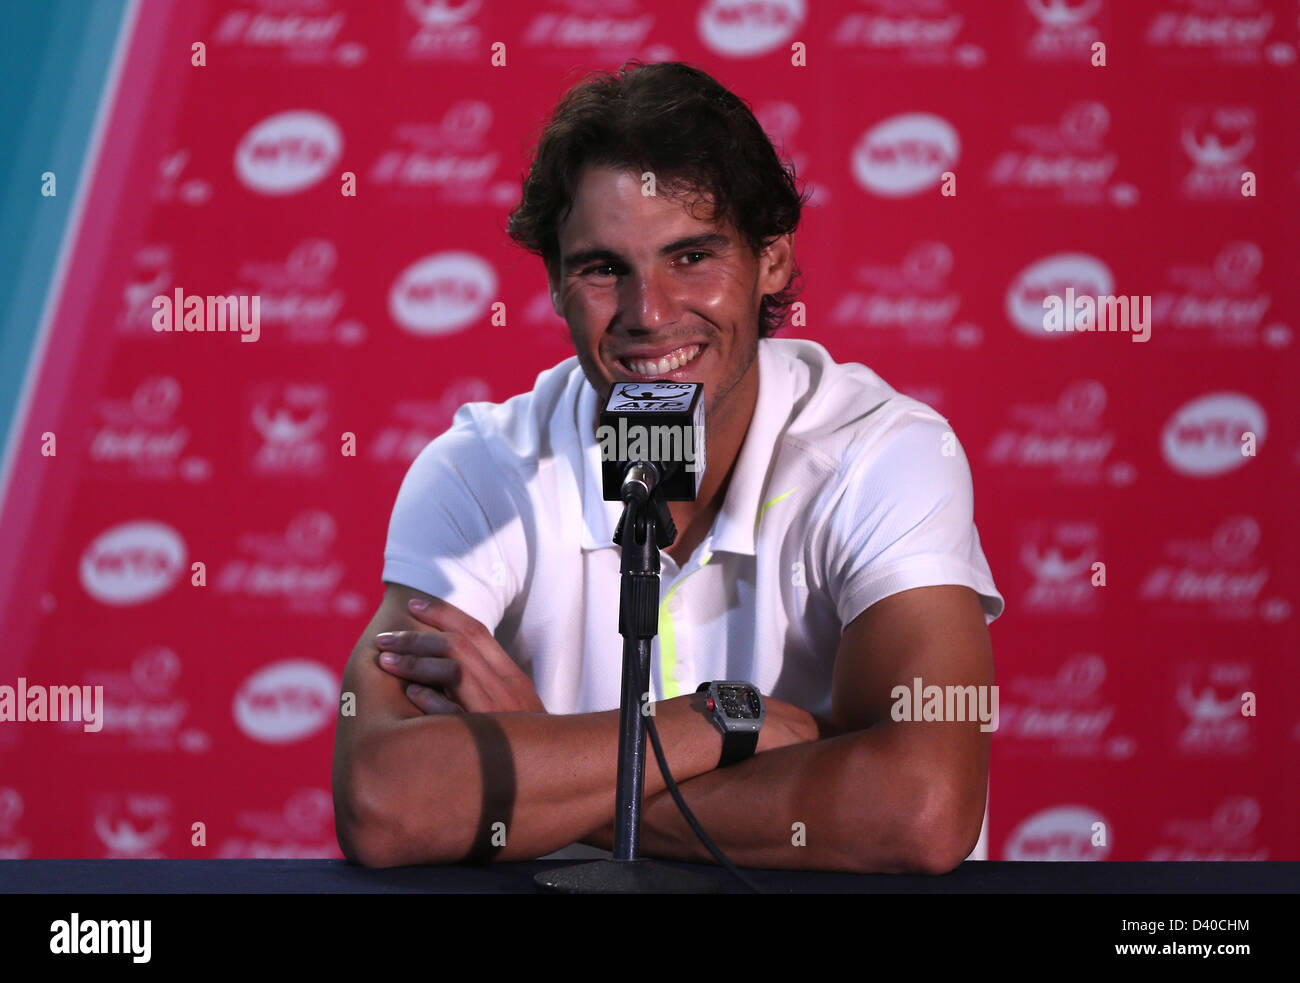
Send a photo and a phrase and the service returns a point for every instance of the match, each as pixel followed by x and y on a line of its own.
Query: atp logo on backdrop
pixel 1206 706
pixel 288 153
pixel 1214 146
pixel 444 30
pixel 287 423
pixel 1058 557
pixel 132 825
pixel 1062 30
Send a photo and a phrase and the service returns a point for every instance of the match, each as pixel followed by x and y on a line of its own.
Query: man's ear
pixel 776 264
pixel 553 286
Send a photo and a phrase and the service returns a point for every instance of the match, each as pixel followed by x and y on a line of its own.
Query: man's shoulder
pixel 526 426
pixel 844 410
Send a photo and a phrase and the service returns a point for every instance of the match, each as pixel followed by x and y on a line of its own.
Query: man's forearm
pixel 504 786
pixel 856 802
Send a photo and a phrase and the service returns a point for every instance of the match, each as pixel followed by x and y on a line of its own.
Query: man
pixel 830 556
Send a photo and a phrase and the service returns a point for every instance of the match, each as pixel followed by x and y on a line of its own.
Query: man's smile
pixel 676 363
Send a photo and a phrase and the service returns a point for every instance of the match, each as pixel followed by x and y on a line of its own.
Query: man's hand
pixel 787 724
pixel 455 666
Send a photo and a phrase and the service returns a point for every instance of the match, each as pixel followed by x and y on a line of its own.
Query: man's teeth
pixel 669 363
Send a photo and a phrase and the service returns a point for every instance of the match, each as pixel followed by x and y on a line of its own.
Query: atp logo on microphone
pixel 654 421
pixel 652 397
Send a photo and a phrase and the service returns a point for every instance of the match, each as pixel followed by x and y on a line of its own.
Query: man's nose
pixel 650 301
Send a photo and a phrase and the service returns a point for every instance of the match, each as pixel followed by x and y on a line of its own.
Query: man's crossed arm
pixel 457 759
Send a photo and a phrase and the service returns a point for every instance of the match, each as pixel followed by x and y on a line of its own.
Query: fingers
pixel 421 669
pixel 487 686
pixel 470 691
pixel 448 618
pixel 431 701
pixel 505 684
pixel 461 658
pixel 421 657
pixel 440 614
pixel 415 642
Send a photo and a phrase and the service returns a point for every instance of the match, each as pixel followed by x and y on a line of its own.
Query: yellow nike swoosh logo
pixel 770 502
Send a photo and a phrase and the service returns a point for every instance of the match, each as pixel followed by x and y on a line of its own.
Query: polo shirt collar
pixel 733 529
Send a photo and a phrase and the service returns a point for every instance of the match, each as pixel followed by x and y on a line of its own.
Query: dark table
pixel 341 877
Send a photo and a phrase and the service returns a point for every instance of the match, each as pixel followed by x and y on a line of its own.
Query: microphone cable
pixel 677 795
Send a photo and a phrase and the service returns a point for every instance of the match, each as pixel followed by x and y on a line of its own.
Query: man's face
pixel 651 291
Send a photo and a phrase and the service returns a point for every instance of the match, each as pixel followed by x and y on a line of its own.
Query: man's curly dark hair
pixel 699 140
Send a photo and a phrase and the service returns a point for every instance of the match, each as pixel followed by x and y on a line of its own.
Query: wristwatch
pixel 738 711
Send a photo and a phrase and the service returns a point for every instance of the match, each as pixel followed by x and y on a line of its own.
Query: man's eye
pixel 597 270
pixel 696 253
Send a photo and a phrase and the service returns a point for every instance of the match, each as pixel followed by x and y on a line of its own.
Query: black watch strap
pixel 737 747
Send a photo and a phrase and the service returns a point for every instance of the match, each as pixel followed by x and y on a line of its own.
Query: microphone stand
pixel 645 528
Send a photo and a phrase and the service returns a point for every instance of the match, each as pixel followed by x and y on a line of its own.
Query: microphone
pixel 660 423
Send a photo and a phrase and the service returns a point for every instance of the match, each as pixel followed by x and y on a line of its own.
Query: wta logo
pixel 442 293
pixel 1080 273
pixel 1068 832
pixel 905 155
pixel 132 563
pixel 1213 434
pixel 748 28
pixel 288 152
pixel 286 701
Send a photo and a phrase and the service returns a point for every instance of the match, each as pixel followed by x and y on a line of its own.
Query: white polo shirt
pixel 844 492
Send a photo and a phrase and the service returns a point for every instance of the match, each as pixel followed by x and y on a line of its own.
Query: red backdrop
pixel 1119 703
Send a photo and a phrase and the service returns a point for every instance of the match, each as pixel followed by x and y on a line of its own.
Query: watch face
pixel 739 702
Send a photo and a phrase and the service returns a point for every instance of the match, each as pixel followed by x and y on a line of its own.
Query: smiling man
pixel 830 556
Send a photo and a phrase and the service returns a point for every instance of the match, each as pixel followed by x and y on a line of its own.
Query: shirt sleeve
pixel 903 517
pixel 455 530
